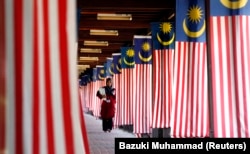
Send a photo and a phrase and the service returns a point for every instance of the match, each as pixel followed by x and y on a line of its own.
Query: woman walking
pixel 107 94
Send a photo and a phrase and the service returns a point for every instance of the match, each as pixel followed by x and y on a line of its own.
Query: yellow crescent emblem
pixel 118 69
pixel 102 78
pixel 110 71
pixel 165 43
pixel 128 63
pixel 193 34
pixel 143 58
pixel 234 5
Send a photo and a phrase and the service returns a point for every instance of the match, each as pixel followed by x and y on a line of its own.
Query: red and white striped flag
pixel 127 84
pixel 100 82
pixel 190 112
pixel 163 37
pixel 116 71
pixel 92 95
pixel 230 65
pixel 40 53
pixel 94 88
pixel 142 105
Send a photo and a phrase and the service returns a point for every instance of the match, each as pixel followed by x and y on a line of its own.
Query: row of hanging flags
pixel 191 75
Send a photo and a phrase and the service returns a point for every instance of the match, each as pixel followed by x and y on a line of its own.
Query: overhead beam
pixel 91 63
pixel 105 38
pixel 111 45
pixel 122 36
pixel 112 25
pixel 95 54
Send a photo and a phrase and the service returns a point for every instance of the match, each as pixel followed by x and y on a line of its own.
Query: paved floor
pixel 99 141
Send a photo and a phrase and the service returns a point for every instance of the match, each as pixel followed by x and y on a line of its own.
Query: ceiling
pixel 143 13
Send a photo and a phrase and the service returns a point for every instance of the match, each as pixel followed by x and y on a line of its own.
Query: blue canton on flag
pixel 190 21
pixel 128 57
pixel 89 72
pixel 143 49
pixel 109 67
pixel 84 80
pixel 163 35
pixel 105 69
pixel 229 7
pixel 100 73
pixel 94 77
pixel 116 63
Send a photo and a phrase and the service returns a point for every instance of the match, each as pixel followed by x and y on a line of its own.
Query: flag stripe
pixel 230 96
pixel 10 77
pixel 28 65
pixel 164 86
pixel 63 47
pixel 2 79
pixel 56 86
pixel 229 75
pixel 48 91
pixel 245 25
pixel 222 84
pixel 18 49
pixel 43 147
pixel 36 91
pixel 84 131
pixel 132 94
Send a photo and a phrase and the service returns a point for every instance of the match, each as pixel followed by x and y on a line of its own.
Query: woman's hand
pixel 113 91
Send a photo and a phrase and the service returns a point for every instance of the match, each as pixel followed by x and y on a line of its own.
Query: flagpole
pixel 209 71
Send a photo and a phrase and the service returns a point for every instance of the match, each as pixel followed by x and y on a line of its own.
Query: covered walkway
pixel 99 141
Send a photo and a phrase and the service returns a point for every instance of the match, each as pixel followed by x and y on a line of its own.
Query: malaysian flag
pixel 127 80
pixel 87 89
pixel 100 73
pixel 100 82
pixel 82 85
pixel 163 37
pixel 190 116
pixel 142 102
pixel 41 96
pixel 84 80
pixel 105 69
pixel 108 68
pixel 116 70
pixel 93 89
pixel 230 67
pixel 83 91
